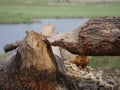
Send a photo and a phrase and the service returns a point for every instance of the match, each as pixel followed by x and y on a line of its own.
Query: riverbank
pixel 26 12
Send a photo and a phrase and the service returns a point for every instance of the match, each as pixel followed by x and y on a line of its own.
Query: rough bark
pixel 98 37
pixel 34 67
pixel 48 31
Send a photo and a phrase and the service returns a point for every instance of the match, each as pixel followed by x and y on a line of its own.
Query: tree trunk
pixel 34 67
pixel 98 37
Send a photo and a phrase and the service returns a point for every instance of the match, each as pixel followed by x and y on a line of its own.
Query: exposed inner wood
pixel 35 67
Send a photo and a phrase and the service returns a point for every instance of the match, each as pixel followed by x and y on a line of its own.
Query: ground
pixel 20 11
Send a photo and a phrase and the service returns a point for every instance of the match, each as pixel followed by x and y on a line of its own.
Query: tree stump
pixel 34 67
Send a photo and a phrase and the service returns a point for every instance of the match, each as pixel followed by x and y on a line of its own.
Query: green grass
pixel 106 62
pixel 3 56
pixel 21 11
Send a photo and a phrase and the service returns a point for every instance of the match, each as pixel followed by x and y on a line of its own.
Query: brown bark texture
pixel 34 67
pixel 97 37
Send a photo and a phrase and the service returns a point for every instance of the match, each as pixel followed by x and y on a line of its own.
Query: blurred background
pixel 17 16
pixel 16 11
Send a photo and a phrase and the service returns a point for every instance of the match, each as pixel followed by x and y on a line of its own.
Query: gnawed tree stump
pixel 34 67
pixel 98 37
pixel 48 31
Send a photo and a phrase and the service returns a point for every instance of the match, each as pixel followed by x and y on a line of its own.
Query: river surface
pixel 10 33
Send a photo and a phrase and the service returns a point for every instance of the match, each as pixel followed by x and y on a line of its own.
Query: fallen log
pixel 34 67
pixel 80 60
pixel 98 37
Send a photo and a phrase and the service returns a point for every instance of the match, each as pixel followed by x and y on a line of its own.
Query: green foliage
pixel 106 62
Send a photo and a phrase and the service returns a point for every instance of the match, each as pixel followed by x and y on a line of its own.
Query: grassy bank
pixel 106 62
pixel 17 11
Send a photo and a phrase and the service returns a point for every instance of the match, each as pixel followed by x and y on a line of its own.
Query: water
pixel 12 32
